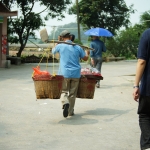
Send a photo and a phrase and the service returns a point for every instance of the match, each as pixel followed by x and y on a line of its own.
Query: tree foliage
pixel 22 27
pixel 110 14
pixel 145 19
pixel 126 42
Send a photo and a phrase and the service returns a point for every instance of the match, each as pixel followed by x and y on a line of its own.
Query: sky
pixel 139 5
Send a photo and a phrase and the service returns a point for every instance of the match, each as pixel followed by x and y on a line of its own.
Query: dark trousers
pixel 144 121
pixel 98 65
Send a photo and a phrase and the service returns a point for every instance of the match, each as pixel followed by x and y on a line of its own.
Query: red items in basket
pixel 87 71
pixel 91 73
pixel 41 75
pixel 37 71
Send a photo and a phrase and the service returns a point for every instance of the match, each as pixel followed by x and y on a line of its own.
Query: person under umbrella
pixel 98 45
pixel 96 55
pixel 72 37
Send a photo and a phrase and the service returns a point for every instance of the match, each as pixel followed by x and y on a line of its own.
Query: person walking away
pixel 71 70
pixel 142 94
pixel 72 37
pixel 96 55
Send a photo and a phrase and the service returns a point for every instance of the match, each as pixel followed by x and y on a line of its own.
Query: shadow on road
pixel 80 119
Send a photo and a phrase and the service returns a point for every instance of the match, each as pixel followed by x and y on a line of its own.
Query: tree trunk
pixel 20 51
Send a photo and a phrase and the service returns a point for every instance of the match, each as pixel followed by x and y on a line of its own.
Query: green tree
pixel 110 14
pixel 21 28
pixel 126 42
pixel 145 19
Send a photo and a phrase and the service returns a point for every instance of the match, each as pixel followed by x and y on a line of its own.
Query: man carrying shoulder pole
pixel 71 70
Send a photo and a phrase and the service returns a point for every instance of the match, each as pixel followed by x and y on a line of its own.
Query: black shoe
pixel 65 112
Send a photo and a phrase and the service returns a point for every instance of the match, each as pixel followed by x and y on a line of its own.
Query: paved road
pixel 107 122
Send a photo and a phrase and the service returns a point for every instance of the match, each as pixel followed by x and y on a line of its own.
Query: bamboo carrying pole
pixel 44 38
pixel 60 42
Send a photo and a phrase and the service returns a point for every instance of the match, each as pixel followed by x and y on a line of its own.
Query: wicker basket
pixel 86 88
pixel 47 86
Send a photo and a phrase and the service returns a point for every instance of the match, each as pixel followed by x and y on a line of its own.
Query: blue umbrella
pixel 98 32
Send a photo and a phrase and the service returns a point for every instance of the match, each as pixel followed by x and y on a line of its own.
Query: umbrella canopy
pixel 98 32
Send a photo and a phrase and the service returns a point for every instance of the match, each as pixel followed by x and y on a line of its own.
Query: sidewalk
pixel 107 122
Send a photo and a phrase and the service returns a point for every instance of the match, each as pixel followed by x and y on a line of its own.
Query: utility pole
pixel 78 23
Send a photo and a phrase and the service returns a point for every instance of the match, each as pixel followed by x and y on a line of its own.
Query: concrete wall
pixel 0 44
pixel 3 32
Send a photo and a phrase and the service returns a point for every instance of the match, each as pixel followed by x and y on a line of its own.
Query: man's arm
pixel 91 52
pixel 85 58
pixel 55 49
pixel 139 72
pixel 104 48
pixel 91 55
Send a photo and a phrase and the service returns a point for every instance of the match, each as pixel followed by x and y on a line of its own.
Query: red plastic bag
pixel 37 71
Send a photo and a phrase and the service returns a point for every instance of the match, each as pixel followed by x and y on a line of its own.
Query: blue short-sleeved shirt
pixel 99 47
pixel 69 59
pixel 144 53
